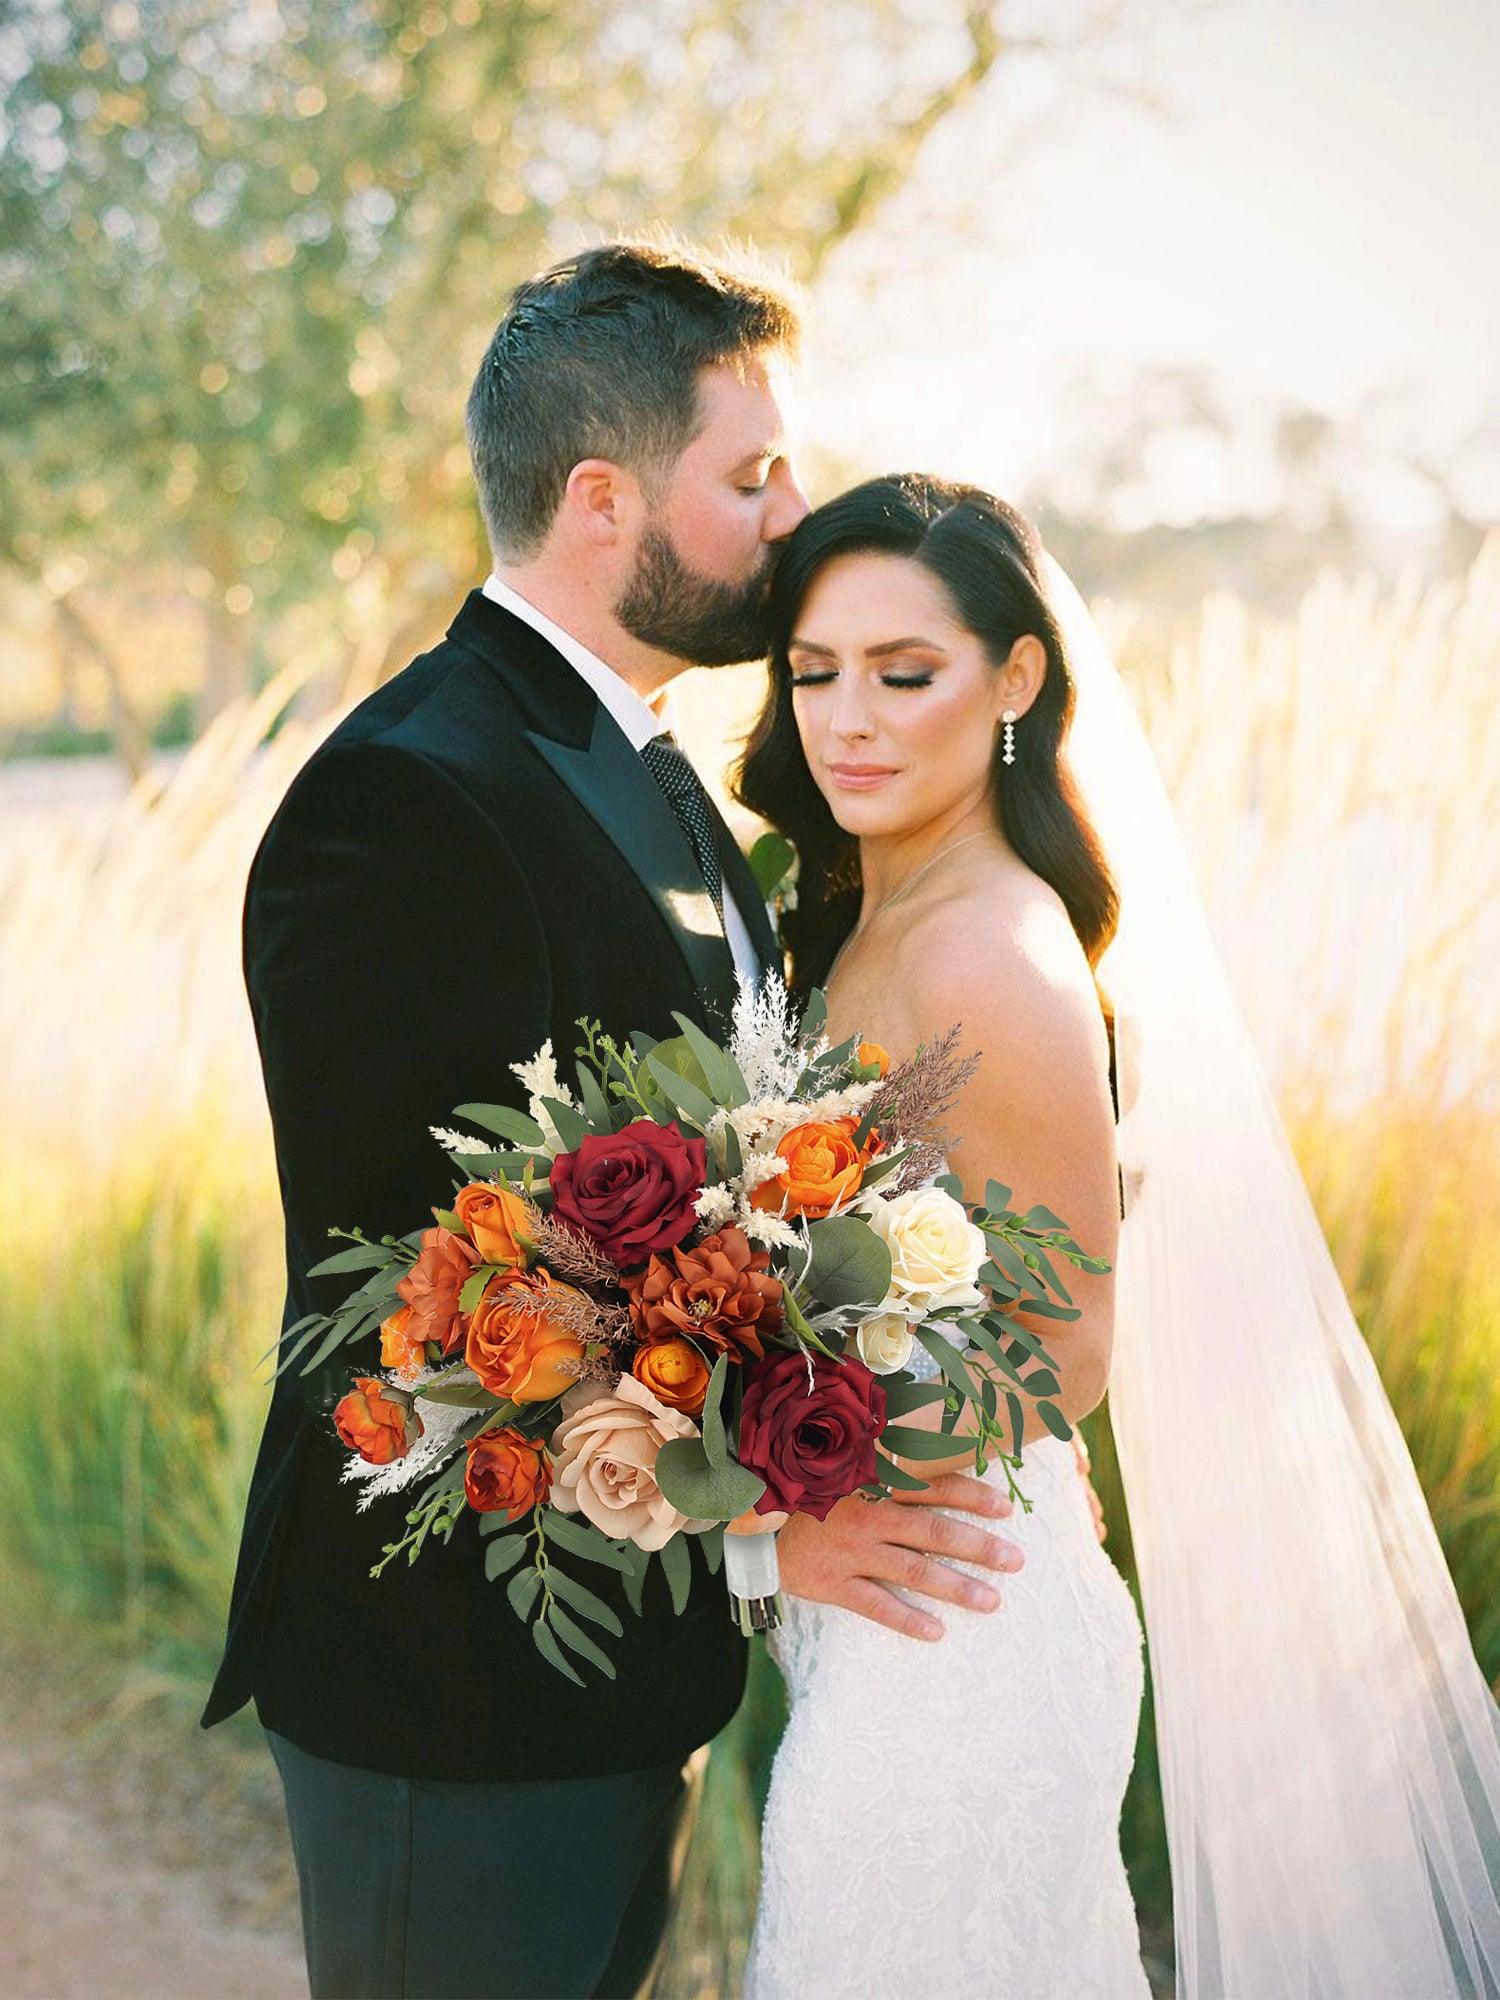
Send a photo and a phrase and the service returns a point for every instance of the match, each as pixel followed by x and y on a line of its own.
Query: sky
pixel 1313 219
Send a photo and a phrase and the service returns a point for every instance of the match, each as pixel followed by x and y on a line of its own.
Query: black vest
pixel 471 861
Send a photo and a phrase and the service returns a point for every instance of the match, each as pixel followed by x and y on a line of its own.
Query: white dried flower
pixel 763 1038
pixel 461 1142
pixel 771 1230
pixel 715 1205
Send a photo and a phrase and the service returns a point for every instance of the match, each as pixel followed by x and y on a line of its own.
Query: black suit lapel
pixel 614 787
pixel 580 740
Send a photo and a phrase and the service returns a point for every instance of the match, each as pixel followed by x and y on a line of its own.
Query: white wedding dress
pixel 943 1818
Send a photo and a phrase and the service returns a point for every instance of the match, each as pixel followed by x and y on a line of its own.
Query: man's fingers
pixel 914 1571
pixel 958 1541
pixel 883 1607
pixel 961 1490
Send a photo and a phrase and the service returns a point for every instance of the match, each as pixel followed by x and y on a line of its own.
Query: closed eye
pixel 820 677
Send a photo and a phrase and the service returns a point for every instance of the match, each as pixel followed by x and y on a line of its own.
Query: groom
pixel 503 838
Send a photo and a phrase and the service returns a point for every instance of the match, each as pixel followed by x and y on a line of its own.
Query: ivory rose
pixel 604 1463
pixel 498 1221
pixel 514 1348
pixel 936 1252
pixel 885 1343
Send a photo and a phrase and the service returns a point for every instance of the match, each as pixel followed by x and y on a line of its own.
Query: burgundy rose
pixel 812 1446
pixel 632 1192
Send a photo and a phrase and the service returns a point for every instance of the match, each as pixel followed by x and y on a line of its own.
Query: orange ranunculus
pixel 721 1292
pixel 400 1349
pixel 824 1168
pixel 432 1287
pixel 675 1373
pixel 498 1220
pixel 872 1052
pixel 378 1422
pixel 506 1471
pixel 513 1346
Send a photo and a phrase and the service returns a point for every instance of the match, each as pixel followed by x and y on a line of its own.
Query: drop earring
pixel 1008 754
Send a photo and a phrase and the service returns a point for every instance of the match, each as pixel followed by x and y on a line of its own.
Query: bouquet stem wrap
pixel 753 1574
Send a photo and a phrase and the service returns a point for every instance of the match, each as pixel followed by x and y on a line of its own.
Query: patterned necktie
pixel 683 790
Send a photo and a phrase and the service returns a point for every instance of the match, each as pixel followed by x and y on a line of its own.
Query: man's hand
pixel 864 1547
pixel 1081 1453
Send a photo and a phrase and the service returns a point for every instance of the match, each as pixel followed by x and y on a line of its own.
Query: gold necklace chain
pixel 904 889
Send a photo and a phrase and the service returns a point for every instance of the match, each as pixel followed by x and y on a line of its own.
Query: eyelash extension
pixel 821 679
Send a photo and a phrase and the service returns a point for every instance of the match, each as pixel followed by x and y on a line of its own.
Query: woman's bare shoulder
pixel 1003 956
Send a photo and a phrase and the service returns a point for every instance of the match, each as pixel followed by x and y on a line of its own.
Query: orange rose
pixel 675 1373
pixel 378 1422
pixel 513 1347
pixel 498 1221
pixel 400 1349
pixel 433 1284
pixel 824 1169
pixel 506 1471
pixel 872 1053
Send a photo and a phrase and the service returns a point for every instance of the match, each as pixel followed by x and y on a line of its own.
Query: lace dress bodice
pixel 943 1819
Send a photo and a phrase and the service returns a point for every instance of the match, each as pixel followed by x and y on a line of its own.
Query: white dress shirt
pixel 637 720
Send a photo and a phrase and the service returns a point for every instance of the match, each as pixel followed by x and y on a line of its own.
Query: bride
pixel 984 840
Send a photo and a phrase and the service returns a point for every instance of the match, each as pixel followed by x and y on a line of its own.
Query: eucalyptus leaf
pixel 715 1443
pixel 685 1098
pixel 701 1490
pixel 1054 1419
pixel 522 1591
pixel 580 1540
pixel 678 1565
pixel 473 1287
pixel 1017 1421
pixel 711 1541
pixel 769 859
pixel 908 1443
pixel 948 1358
pixel 814 1015
pixel 503 1555
pixel 359 1257
pixel 850 1265
pixel 721 1073
pixel 505 1122
pixel 633 1580
pixel 1041 1382
pixel 572 1126
pixel 583 1600
pixel 996 1197
pixel 951 1185
pixel 461 1395
pixel 596 1105
pixel 546 1644
pixel 570 1631
pixel 1042 1218
pixel 897 1476
pixel 902 1397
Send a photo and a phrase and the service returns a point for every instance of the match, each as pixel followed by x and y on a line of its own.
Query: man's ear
pixel 601 500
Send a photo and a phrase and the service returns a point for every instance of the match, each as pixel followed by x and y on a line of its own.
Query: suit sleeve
pixel 396 966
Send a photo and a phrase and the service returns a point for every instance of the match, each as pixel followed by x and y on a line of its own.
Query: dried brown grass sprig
pixel 569 1254
pixel 915 1095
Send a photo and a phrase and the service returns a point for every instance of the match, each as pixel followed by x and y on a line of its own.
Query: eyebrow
pixel 871 652
pixel 775 449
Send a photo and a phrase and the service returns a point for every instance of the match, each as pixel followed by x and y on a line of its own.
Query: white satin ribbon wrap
pixel 1330 1751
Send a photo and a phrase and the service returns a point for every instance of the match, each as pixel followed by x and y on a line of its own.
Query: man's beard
pixel 693 617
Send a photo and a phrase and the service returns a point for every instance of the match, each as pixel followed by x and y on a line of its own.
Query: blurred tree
pixel 249 258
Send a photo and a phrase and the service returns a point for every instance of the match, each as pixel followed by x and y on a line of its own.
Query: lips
pixel 860 777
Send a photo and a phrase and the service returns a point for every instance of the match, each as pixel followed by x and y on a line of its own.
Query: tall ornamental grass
pixel 1338 778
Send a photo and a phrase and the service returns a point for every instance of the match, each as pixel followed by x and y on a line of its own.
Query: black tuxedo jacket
pixel 472 860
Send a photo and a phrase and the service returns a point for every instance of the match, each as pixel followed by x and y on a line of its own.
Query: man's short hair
pixel 598 357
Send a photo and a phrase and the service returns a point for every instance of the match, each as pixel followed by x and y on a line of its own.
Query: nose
pixel 790 506
pixel 849 721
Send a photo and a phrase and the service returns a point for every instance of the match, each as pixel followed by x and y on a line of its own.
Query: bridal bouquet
pixel 684 1292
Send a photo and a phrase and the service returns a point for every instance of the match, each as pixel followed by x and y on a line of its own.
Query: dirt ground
pixel 138 1856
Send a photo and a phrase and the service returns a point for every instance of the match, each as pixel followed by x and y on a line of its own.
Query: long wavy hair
pixel 988 558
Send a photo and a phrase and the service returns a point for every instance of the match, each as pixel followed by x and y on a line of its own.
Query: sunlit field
pixel 1339 781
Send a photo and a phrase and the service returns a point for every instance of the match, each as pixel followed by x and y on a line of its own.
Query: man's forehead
pixel 749 403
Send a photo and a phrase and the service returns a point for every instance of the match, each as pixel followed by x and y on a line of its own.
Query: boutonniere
pixel 775 863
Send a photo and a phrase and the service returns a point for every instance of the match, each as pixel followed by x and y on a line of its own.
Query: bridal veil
pixel 1329 1749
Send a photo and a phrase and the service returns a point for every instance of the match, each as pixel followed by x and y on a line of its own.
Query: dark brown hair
pixel 598 357
pixel 988 558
